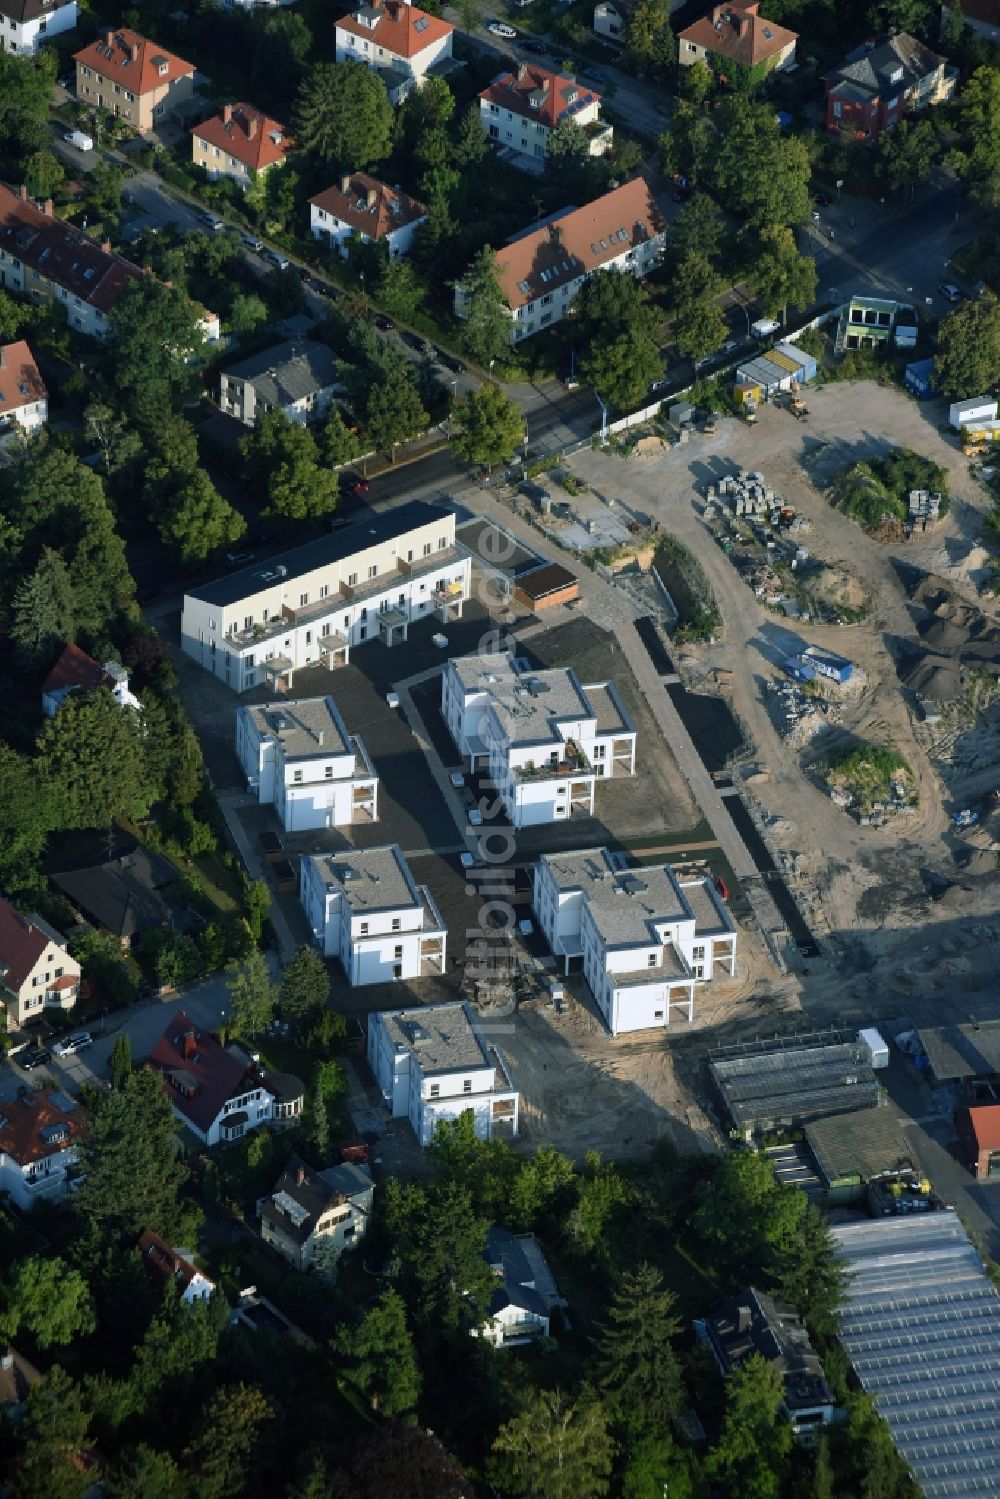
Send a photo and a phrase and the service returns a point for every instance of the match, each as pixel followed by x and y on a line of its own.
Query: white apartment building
pixel 520 110
pixel 546 738
pixel 396 40
pixel 24 401
pixel 299 757
pixel 309 606
pixel 434 1063
pixel 366 909
pixel 542 270
pixel 642 938
pixel 26 24
pixel 368 210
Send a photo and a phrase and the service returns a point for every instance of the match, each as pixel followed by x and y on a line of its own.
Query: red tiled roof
pixel 26 1125
pixel 581 240
pixel 248 134
pixel 20 382
pixel 735 31
pixel 401 29
pixel 539 94
pixel 62 254
pixel 133 61
pixel 199 1074
pixel 368 205
pixel 76 669
pixel 985 1121
pixel 165 1262
pixel 21 945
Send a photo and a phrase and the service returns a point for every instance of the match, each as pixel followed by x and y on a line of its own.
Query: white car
pixel 70 1045
pixel 475 817
pixel 501 28
pixel 457 779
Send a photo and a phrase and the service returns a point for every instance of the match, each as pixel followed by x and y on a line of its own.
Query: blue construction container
pixel 919 379
pixel 826 664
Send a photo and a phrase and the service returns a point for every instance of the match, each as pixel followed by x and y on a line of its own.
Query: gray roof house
pixel 298 377
pixel 521 1305
pixel 314 1216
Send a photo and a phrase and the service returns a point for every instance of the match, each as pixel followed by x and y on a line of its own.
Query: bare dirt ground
pixel 870 894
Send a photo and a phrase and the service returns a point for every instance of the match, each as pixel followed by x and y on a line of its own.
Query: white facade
pixel 546 738
pixel 44 1177
pixel 299 758
pixel 114 677
pixel 37 972
pixel 433 1064
pixel 365 909
pixel 370 581
pixel 41 22
pixel 384 43
pixel 642 938
pixel 37 1145
pixel 325 224
pixel 518 113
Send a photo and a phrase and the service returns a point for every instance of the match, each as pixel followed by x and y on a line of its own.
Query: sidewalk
pixel 229 801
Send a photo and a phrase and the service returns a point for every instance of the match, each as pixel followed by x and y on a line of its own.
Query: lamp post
pixel 604 418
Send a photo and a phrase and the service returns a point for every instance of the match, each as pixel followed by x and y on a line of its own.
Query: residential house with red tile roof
pixel 217 1091
pixel 520 110
pixel 736 33
pixel 879 83
pixel 49 261
pixel 396 40
pixel 364 208
pixel 24 401
pixel 36 970
pixel 25 25
pixel 241 142
pixel 75 671
pixel 542 270
pixel 174 1267
pixel 39 1132
pixel 133 77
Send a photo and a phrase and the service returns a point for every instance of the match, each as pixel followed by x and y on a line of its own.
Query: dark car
pixel 450 362
pixel 596 75
pixel 34 1056
pixel 384 324
pixel 538 49
pixel 822 201
pixel 681 194
pixel 354 484
pixel 413 341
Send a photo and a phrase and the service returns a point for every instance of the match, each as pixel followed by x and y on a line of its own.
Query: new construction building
pixel 311 604
pixel 642 938
pixel 299 757
pixel 546 738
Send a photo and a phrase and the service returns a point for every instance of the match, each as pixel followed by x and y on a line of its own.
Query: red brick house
pixel 979 1132
pixel 881 82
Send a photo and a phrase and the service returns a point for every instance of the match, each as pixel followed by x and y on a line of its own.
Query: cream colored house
pixel 36 970
pixel 240 142
pixel 134 78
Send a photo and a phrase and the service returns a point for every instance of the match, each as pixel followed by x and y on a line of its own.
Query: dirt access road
pixel 865 888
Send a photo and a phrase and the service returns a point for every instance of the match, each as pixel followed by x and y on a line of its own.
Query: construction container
pixel 919 379
pixel 877 1047
pixel 976 408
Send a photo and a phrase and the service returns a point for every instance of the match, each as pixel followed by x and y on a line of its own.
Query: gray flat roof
pixel 443 1038
pixel 864 1143
pixel 624 903
pixel 962 1050
pixel 710 914
pixel 794 1078
pixel 527 702
pixel 372 879
pixel 385 525
pixel 921 1325
pixel 608 711
pixel 307 728
pixel 289 371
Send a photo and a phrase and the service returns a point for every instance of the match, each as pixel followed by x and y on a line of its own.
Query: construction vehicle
pixel 749 411
pixel 798 408
pixel 709 428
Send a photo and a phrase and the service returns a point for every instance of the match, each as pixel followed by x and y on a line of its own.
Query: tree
pixel 555 1448
pixel 50 1300
pixel 486 426
pixel 281 462
pixel 658 1466
pixel 906 155
pixel 783 277
pixel 338 443
pixel 762 175
pixel 636 1368
pixel 471 140
pixel 28 813
pixel 53 1430
pixel 248 312
pixel 378 1464
pixel 649 40
pixel 179 1346
pixel 12 314
pixel 699 327
pixel 689 145
pixel 621 367
pixel 119 445
pixel 751 1456
pixel 822 1479
pixel 252 995
pixel 968 357
pixel 223 1452
pixel 25 96
pixel 343 115
pixel 305 987
pixel 744 1213
pixel 44 613
pixel 131 1169
pixel 398 289
pixel 93 756
pixel 544 1182
pixel 602 1192
pixel 120 1061
pixel 153 332
pixel 810 1276
pixel 143 1470
pixel 487 319
pixel 393 413
pixel 381 1363
pixel 44 174
pixel 257 898
pixel 568 163
pixel 699 228
pixel 696 83
pixel 106 188
pixel 199 521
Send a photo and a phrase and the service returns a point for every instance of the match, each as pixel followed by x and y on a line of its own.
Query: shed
pixel 680 413
pixel 791 1079
pixel 827 664
pixel 976 408
pixel 962 1051
pixel 979 1131
pixel 905 335
pixel 805 364
pixel 851 1149
pixel 546 586
pixel 919 379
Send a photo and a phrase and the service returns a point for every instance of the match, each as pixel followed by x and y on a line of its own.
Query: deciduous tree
pixel 906 155
pixel 377 1463
pixel 199 521
pixel 144 1471
pixel 338 443
pixel 247 313
pixel 487 321
pixel 343 115
pixel 698 229
pixel 556 1448
pixel 699 327
pixel 153 333
pixel 44 174
pixel 222 1453
pixel 968 357
pixel 650 45
pixel 380 1361
pixel 393 413
pixel 763 176
pixel 486 426
pixel 305 987
pixel 29 812
pixel 50 1300
pixel 782 276
pixel 53 1430
pixel 751 1456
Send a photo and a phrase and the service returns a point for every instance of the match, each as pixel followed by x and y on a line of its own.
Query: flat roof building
pixel 958 1052
pixel 789 1080
pixel 299 757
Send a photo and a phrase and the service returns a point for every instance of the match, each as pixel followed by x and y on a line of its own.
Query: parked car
pixel 80 139
pixel 252 243
pixel 475 817
pixel 384 324
pixel 457 779
pixel 70 1045
pixel 537 49
pixel 502 28
pixel 354 484
pixel 33 1056
pixel 450 362
pixel 413 341
pixel 822 201
pixel 275 257
pixel 211 220
pixel 596 75
pixel 238 559
pixel 949 291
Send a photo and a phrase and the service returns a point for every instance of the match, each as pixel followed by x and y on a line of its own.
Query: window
pixel 352 579
pixel 396 924
pixel 324 591
pixel 373 570
pixel 427 548
pixel 303 600
pixel 409 555
pixel 442 543
pixel 697 952
pixel 435 1090
pixel 398 951
pixel 296 776
pixel 652 960
pixel 467 1085
pixel 328 772
pixel 363 929
pixel 325 630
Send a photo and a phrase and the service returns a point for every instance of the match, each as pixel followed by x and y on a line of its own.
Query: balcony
pixel 574 764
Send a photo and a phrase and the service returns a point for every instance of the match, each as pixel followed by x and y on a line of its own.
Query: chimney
pixel 522 72
pixel 227 114
pixel 3 357
pixel 253 125
pixel 47 208
pixel 106 246
pixel 319 738
pixel 371 197
pixel 107 37
pixel 24 193
pixel 190 1044
pixel 345 183
pixel 300 1176
pixel 555 234
pixel 133 52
